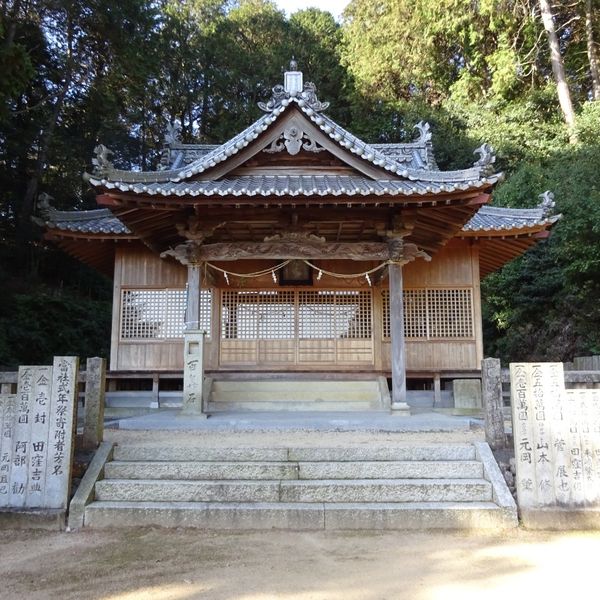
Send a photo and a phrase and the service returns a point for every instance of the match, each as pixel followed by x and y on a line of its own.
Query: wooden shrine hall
pixel 296 247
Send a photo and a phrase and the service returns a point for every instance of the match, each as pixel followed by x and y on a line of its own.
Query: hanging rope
pixel 348 275
pixel 250 275
pixel 287 262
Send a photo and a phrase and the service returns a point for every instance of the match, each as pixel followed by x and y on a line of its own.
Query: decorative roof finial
pixel 487 158
pixel 101 162
pixel 173 133
pixel 424 131
pixel 547 203
pixel 293 64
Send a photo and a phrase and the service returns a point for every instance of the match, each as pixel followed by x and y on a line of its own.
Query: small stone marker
pixel 491 385
pixel 95 384
pixel 36 444
pixel 557 448
pixel 193 374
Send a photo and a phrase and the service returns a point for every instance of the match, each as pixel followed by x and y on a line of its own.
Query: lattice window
pixel 159 314
pixel 326 314
pixel 257 315
pixel 433 313
pixel 450 313
pixel 415 313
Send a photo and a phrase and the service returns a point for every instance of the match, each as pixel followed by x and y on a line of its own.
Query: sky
pixel 335 7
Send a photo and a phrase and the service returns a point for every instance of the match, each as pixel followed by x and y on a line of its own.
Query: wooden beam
pixel 292 250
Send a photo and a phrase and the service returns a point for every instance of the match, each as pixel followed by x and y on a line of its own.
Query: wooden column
pixel 192 311
pixel 399 405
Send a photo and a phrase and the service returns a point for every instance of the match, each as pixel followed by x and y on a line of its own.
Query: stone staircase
pixel 448 486
pixel 298 395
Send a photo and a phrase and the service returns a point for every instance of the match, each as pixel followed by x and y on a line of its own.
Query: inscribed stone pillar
pixel 193 374
pixel 491 385
pixel 192 312
pixel 399 405
pixel 93 421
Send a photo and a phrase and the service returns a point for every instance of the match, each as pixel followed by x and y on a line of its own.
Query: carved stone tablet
pixel 36 436
pixel 557 444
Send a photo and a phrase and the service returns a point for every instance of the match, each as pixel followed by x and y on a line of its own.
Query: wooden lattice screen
pixel 296 326
pixel 159 313
pixel 433 313
pixel 257 315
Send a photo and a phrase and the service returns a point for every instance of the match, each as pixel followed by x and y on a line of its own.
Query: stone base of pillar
pixel 400 409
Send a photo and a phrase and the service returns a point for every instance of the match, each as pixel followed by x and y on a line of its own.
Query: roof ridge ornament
pixel 424 131
pixel 487 157
pixel 305 94
pixel 100 162
pixel 173 133
pixel 547 203
pixel 44 208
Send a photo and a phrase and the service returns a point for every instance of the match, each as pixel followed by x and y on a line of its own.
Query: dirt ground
pixel 186 564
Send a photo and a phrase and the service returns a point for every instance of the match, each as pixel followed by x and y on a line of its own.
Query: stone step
pixel 328 490
pixel 294 470
pixel 316 516
pixel 189 453
pixel 296 396
pixel 302 387
pixel 295 405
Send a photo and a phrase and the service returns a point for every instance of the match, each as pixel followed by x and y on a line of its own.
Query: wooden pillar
pixel 399 405
pixel 192 312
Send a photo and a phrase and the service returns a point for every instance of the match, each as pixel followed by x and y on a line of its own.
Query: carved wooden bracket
pixel 187 253
pixel 402 253
pixel 194 230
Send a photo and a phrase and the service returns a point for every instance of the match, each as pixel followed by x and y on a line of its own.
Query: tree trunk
pixel 558 68
pixel 592 50
pixel 45 140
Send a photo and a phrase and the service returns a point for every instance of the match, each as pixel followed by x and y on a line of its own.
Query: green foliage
pixel 545 304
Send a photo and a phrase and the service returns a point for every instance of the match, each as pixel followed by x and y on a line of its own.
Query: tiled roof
pixel 491 218
pixel 486 220
pixel 100 221
pixel 297 185
pixel 410 161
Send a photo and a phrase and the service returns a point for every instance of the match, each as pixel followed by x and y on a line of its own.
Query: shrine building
pixel 297 248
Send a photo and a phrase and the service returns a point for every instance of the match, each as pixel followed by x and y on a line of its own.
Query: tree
pixel 558 68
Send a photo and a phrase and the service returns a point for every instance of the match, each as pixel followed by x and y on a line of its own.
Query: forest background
pixel 519 74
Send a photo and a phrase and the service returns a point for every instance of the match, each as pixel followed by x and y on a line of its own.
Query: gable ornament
pixel 293 140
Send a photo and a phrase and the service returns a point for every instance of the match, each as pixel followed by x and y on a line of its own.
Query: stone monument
pixel 557 448
pixel 36 444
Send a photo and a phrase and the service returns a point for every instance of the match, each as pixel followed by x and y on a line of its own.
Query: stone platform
pixel 369 421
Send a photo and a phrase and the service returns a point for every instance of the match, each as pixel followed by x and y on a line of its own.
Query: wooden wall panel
pixel 435 356
pixel 451 266
pixel 140 267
